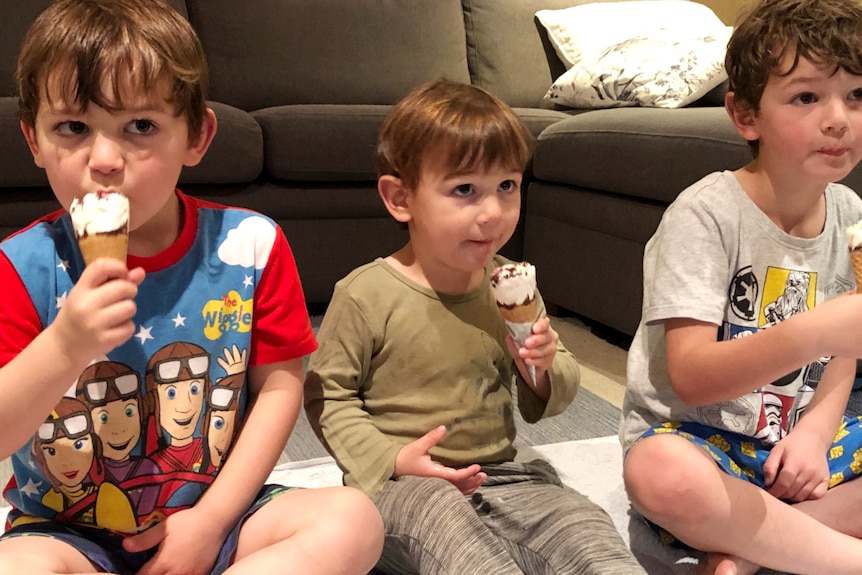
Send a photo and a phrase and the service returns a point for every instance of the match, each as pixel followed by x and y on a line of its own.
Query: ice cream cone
pixel 523 313
pixel 514 288
pixel 101 222
pixel 856 260
pixel 104 246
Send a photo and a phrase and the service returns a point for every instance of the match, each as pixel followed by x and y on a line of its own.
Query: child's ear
pixel 197 148
pixel 30 135
pixel 742 115
pixel 395 197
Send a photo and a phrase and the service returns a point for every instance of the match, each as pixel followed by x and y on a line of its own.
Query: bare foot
pixel 721 564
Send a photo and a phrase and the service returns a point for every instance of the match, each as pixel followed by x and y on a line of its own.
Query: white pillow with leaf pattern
pixel 664 72
pixel 659 53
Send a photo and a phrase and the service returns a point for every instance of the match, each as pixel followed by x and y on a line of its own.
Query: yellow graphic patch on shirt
pixel 836 452
pixel 786 293
pixel 230 313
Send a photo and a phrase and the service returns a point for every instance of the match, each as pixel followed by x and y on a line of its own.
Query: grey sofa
pixel 300 88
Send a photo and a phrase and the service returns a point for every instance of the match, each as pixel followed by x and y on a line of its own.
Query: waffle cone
pixel 524 313
pixel 856 260
pixel 104 246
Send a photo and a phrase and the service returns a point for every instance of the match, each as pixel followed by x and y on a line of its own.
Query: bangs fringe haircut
pixel 470 128
pixel 75 51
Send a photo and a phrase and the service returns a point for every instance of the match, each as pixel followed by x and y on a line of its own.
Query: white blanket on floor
pixel 591 466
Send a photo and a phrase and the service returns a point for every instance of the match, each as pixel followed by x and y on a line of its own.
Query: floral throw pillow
pixel 655 72
pixel 659 53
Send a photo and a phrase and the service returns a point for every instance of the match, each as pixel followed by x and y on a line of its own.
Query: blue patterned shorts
pixel 105 549
pixel 742 456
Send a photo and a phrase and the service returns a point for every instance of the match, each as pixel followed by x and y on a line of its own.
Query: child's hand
pixel 538 350
pixel 188 544
pixel 414 459
pixel 97 314
pixel 796 469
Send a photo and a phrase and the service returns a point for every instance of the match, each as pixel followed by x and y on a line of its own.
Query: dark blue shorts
pixel 743 457
pixel 105 548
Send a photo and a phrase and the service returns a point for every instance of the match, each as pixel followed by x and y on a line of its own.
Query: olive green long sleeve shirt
pixel 397 359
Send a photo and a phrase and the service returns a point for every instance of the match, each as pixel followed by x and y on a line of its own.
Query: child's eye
pixel 463 190
pixel 805 98
pixel 856 94
pixel 71 128
pixel 508 186
pixel 141 127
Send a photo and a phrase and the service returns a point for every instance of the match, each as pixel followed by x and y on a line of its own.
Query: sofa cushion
pixel 321 142
pixel 281 52
pixel 327 142
pixel 581 30
pixel 236 153
pixel 661 53
pixel 508 50
pixel 652 153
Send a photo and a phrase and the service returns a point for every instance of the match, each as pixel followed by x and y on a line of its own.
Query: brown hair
pixel 471 126
pixel 80 45
pixel 826 32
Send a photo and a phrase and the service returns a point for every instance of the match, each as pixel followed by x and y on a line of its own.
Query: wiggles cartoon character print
pixel 112 392
pixel 144 431
pixel 68 451
pixel 771 412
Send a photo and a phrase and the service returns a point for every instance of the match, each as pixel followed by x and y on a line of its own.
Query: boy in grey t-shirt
pixel 741 368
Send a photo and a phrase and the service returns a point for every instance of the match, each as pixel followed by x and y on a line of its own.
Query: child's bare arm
pixel 703 370
pixel 95 318
pixel 189 540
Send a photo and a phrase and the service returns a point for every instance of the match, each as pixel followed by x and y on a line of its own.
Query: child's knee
pixel 661 471
pixel 355 505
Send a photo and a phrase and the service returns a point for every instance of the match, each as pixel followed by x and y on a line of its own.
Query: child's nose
pixel 836 119
pixel 491 209
pixel 105 154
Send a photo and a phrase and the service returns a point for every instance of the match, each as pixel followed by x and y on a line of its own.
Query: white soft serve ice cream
pixel 854 236
pixel 100 213
pixel 514 284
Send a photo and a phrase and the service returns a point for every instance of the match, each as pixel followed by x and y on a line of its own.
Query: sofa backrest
pixel 276 52
pixel 508 50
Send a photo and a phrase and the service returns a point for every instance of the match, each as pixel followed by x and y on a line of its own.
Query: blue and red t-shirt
pixel 145 429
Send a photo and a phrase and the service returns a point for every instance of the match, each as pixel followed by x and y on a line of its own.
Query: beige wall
pixel 727 10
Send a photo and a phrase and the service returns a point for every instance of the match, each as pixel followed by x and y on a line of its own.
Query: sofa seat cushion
pixel 235 155
pixel 650 153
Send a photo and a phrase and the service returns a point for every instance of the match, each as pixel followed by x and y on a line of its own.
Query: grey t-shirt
pixel 716 257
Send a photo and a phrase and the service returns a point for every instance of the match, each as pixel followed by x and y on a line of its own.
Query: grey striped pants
pixel 521 521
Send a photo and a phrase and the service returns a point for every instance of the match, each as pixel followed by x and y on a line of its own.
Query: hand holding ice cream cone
pixel 514 288
pixel 101 222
